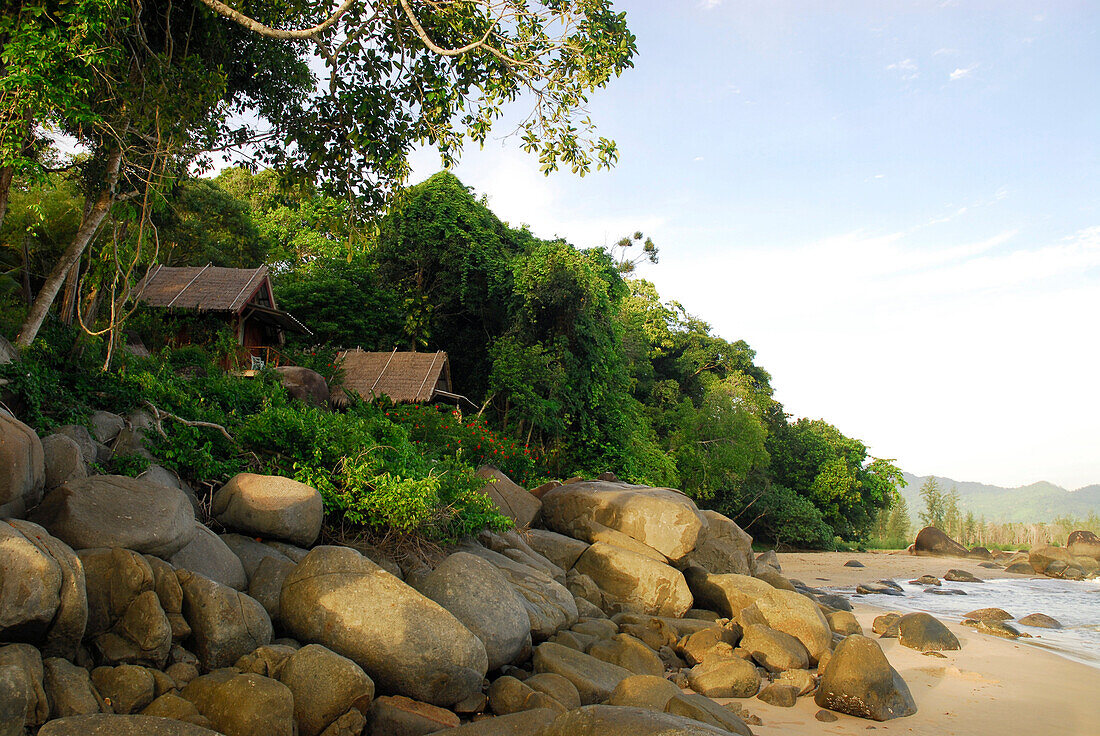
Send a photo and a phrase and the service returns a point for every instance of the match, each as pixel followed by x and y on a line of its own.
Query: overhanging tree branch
pixel 303 34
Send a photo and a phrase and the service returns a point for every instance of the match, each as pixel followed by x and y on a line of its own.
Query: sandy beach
pixel 991 687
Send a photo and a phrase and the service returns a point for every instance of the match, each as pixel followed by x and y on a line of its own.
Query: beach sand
pixel 991 687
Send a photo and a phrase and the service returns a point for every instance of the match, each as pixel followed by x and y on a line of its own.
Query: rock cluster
pixel 620 609
pixel 1078 560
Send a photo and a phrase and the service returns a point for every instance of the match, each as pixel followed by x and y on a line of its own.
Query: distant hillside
pixel 1037 502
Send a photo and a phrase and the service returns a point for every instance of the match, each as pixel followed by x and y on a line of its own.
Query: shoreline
pixel 990 687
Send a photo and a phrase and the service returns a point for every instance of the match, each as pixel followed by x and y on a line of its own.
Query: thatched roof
pixel 406 378
pixel 206 289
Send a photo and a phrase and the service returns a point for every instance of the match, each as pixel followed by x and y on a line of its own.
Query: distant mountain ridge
pixel 1036 502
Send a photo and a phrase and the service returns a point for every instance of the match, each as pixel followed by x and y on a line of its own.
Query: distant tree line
pixel 894 530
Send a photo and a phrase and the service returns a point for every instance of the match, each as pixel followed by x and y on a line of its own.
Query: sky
pixel 896 204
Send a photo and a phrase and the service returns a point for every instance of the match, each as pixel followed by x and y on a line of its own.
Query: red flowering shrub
pixel 442 431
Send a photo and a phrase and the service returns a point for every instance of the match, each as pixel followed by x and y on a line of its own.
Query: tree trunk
pixel 68 301
pixel 6 174
pixel 28 296
pixel 89 225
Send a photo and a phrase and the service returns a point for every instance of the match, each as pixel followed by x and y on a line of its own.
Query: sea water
pixel 1074 603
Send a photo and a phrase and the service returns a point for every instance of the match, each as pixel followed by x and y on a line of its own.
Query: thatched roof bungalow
pixel 243 296
pixel 406 378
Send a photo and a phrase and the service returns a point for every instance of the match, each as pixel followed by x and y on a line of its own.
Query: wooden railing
pixel 256 357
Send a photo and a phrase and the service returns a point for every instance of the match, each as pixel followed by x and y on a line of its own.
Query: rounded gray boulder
pixel 406 642
pixel 859 681
pixel 479 596
pixel 116 511
pixel 270 506
pixel 22 467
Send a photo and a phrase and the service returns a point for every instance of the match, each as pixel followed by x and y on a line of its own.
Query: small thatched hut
pixel 241 296
pixel 406 378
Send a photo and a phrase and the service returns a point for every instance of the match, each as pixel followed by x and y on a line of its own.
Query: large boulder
pixel 513 501
pixel 69 689
pixel 406 642
pixel 644 691
pixel 225 624
pixel 43 598
pixel 208 555
pixel 526 723
pixel 22 467
pixel 634 583
pixel 724 675
pixel 550 606
pixel 23 700
pixel 142 636
pixel 304 384
pixel 514 546
pixel 164 477
pixel 629 653
pixel 859 681
pixel 563 551
pixel 116 511
pixel 266 585
pixel 134 606
pixel 931 541
pixel 105 724
pixel 662 518
pixel 594 679
pixel 592 531
pixel 723 548
pixel 63 460
pixel 794 614
pixel 397 715
pixel 1083 543
pixel 509 695
pixel 1043 558
pixel 610 720
pixel 923 632
pixel 90 450
pixel 127 687
pixel 250 552
pixel 774 650
pixel 115 577
pixel 478 595
pixel 325 686
pixel 726 594
pixel 106 426
pixel 270 506
pixel 243 704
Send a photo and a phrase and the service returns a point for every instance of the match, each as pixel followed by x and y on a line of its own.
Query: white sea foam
pixel 1075 604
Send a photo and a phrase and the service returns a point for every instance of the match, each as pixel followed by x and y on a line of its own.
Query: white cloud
pixel 697 158
pixel 911 345
pixel 962 72
pixel 907 68
pixel 945 52
pixel 709 4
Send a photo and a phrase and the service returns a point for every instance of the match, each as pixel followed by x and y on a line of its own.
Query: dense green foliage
pixel 576 369
pixel 370 471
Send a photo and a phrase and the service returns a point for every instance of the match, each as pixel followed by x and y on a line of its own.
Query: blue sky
pixel 897 204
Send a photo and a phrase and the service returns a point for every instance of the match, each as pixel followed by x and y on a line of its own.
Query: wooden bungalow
pixel 241 296
pixel 406 378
